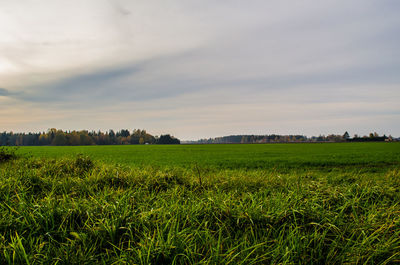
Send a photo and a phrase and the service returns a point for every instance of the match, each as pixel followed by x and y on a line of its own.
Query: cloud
pixel 229 66
pixel 80 86
pixel 4 92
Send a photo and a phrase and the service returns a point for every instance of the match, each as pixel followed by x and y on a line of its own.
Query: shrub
pixel 83 163
pixel 7 153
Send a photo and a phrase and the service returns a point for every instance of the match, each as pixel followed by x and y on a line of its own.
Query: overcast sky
pixel 199 69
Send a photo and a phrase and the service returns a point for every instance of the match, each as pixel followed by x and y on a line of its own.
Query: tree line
pixel 84 137
pixel 275 138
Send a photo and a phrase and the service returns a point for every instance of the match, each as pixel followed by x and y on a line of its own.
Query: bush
pixel 83 163
pixel 7 153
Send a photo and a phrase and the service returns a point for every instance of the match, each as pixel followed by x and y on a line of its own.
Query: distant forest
pixel 275 138
pixel 111 137
pixel 59 138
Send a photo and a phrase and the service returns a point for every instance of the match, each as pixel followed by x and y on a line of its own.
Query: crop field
pixel 332 203
pixel 335 156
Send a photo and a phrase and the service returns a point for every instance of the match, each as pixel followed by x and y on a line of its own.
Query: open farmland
pixel 202 204
pixel 331 156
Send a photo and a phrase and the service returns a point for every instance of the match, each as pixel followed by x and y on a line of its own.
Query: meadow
pixel 332 203
pixel 333 156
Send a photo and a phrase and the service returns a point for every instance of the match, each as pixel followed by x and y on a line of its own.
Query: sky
pixel 200 69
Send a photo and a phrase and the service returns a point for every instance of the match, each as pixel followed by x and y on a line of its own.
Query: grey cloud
pixel 7 93
pixel 79 86
pixel 161 78
pixel 4 92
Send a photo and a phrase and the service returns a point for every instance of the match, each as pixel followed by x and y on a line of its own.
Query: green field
pixel 247 156
pixel 333 203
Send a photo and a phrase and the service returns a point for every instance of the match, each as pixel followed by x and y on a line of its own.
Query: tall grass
pixel 77 211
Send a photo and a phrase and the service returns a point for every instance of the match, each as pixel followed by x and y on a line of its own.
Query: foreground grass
pixel 76 211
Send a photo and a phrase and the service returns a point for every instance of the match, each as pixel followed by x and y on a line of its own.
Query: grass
pixel 247 156
pixel 212 204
